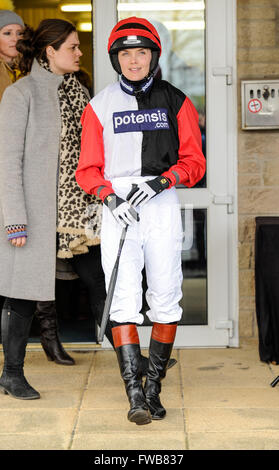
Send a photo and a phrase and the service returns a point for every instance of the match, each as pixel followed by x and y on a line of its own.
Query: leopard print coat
pixel 78 213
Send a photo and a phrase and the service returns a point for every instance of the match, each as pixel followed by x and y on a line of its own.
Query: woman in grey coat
pixel 11 29
pixel 43 212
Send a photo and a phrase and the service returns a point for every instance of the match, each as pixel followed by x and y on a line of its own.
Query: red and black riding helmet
pixel 130 33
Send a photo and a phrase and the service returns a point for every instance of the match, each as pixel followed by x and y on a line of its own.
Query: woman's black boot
pixel 46 314
pixel 161 343
pixel 126 342
pixel 15 333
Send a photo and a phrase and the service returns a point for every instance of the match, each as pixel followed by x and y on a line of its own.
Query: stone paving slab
pixel 215 398
pixel 37 421
pixel 116 397
pixel 134 440
pixel 35 441
pixel 257 376
pixel 59 380
pixel 230 398
pixel 115 420
pixel 232 419
pixel 261 440
pixel 52 399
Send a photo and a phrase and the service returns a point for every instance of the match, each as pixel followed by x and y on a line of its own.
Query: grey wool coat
pixel 30 128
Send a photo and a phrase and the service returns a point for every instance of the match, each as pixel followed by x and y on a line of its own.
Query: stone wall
pixel 258 151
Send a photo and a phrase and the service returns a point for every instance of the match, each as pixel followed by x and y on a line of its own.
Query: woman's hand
pixel 18 242
pixel 16 234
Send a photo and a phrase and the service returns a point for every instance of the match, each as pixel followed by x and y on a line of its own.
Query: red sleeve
pixel 190 166
pixel 90 169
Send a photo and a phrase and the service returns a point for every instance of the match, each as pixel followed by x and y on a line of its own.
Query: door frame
pixel 220 198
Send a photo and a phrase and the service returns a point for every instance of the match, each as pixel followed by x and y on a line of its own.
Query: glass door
pixel 198 57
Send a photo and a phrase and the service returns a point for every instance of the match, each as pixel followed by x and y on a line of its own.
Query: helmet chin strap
pixel 136 88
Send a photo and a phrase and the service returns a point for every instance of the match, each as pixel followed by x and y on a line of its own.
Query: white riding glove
pixel 142 193
pixel 121 210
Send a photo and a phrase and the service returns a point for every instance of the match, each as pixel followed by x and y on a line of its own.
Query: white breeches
pixel 154 242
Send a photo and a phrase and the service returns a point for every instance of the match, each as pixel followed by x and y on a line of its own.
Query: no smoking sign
pixel 255 106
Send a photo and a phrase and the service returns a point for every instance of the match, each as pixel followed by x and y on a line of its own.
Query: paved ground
pixel 215 399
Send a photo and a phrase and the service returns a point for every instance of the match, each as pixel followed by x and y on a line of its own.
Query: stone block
pixel 258 201
pixel 261 71
pixel 246 282
pixel 255 13
pixel 247 179
pixel 271 172
pixel 247 303
pixel 246 228
pixel 255 144
pixel 249 166
pixel 244 255
pixel 258 55
pixel 256 3
pixel 246 324
pixel 256 33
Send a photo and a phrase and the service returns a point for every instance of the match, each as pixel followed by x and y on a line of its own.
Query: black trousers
pixel 267 286
pixel 2 300
pixel 88 267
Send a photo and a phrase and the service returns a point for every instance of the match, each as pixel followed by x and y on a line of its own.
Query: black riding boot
pixel 161 343
pixel 46 314
pixel 99 308
pixel 126 342
pixel 15 333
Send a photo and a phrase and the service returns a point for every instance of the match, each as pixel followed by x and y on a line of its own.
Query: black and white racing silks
pixel 154 134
